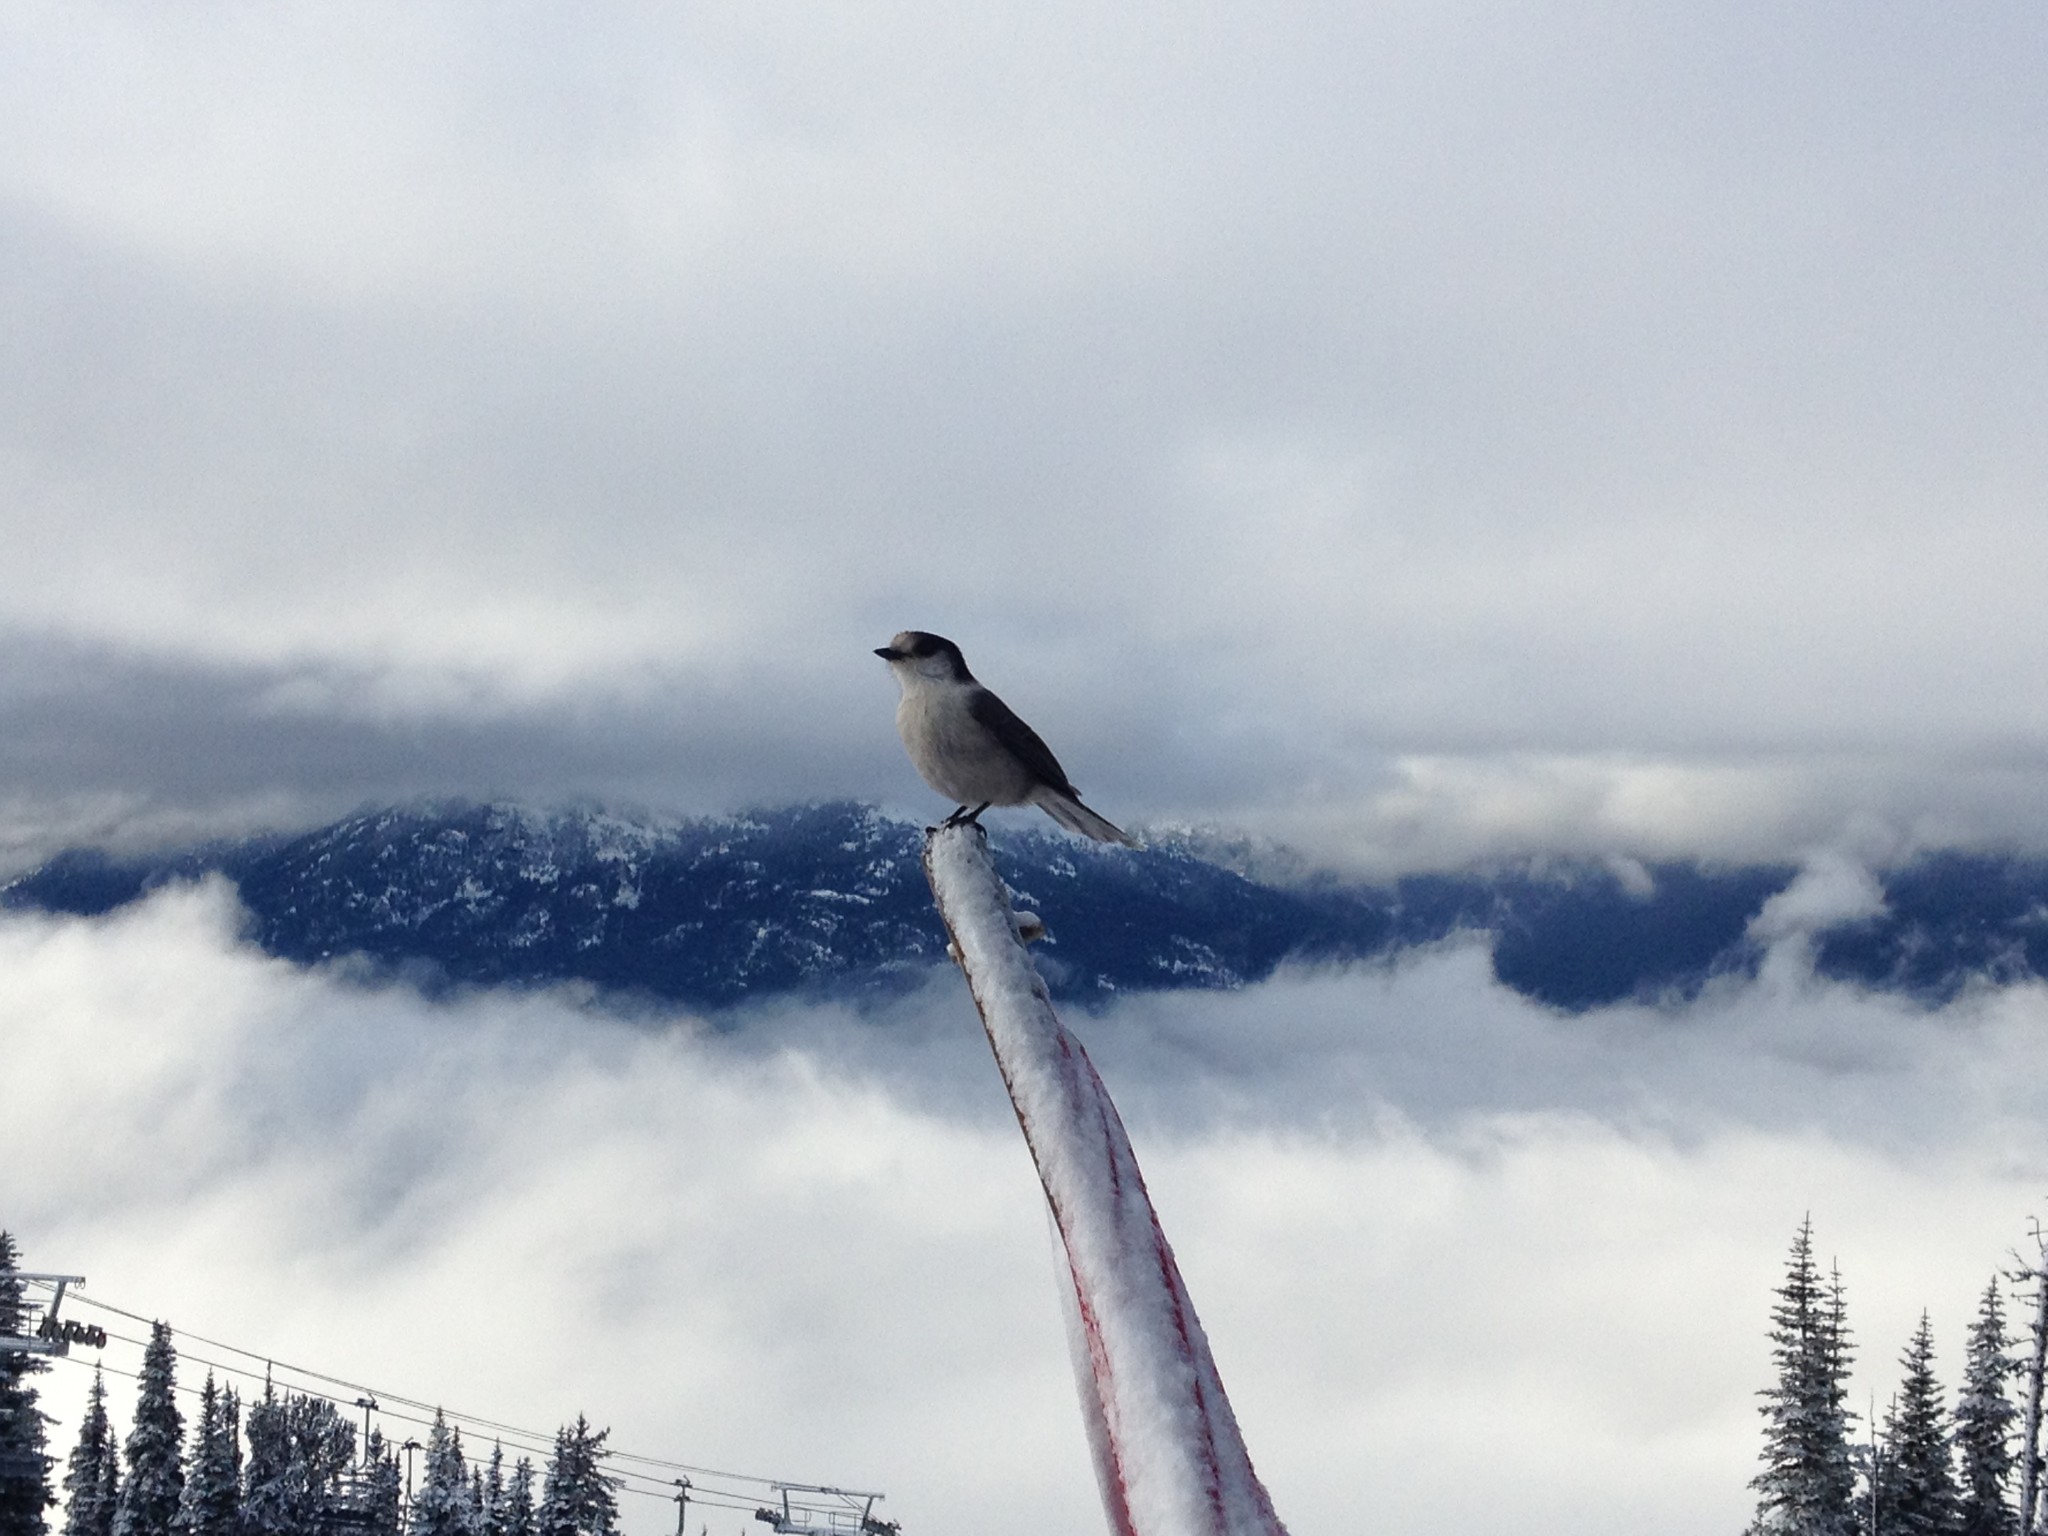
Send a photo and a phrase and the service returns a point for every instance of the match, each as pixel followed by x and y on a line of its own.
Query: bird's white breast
pixel 952 751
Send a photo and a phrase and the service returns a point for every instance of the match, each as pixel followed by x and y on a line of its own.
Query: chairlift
pixel 810 1510
pixel 52 1336
pixel 350 1503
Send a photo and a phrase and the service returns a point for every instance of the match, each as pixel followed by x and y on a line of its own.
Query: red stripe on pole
pixel 1168 1452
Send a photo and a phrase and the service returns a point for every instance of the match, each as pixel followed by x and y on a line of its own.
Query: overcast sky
pixel 1417 431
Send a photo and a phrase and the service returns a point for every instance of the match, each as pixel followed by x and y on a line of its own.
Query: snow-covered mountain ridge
pixel 831 899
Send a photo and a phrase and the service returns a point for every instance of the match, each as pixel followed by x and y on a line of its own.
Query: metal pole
pixel 409 1447
pixel 683 1486
pixel 366 1404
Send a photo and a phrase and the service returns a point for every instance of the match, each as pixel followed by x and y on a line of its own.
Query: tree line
pixel 1924 1468
pixel 286 1464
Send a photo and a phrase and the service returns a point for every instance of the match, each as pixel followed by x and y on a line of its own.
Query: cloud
pixel 1829 890
pixel 127 748
pixel 1291 416
pixel 1454 1251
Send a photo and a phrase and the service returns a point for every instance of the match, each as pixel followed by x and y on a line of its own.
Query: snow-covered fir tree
pixel 92 1478
pixel 212 1503
pixel 386 1497
pixel 155 1483
pixel 441 1508
pixel 25 1496
pixel 578 1499
pixel 267 1503
pixel 491 1487
pixel 1808 1483
pixel 1985 1423
pixel 299 1447
pixel 519 1511
pixel 1916 1494
pixel 323 1447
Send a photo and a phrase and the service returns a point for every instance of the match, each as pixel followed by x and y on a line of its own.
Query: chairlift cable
pixel 541 1440
pixel 711 1497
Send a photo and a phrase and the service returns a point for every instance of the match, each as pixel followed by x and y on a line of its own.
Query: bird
pixel 971 747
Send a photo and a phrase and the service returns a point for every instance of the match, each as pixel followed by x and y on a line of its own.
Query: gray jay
pixel 971 747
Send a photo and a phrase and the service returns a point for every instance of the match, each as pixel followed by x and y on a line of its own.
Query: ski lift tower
pixel 51 1336
pixel 808 1510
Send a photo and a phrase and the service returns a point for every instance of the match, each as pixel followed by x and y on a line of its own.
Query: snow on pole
pixel 1168 1453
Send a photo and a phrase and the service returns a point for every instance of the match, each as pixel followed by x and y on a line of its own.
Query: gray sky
pixel 1417 431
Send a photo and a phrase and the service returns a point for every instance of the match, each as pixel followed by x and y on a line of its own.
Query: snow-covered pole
pixel 1168 1453
pixel 2032 1369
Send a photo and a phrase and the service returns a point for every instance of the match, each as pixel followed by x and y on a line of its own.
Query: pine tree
pixel 212 1503
pixel 386 1485
pixel 155 1484
pixel 1917 1494
pixel 299 1448
pixel 1985 1422
pixel 491 1520
pixel 24 1438
pixel 442 1507
pixel 578 1500
pixel 92 1479
pixel 519 1511
pixel 267 1506
pixel 323 1447
pixel 1808 1483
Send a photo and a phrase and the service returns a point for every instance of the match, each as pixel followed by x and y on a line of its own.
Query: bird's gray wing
pixel 1013 733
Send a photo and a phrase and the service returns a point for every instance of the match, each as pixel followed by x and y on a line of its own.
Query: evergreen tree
pixel 212 1503
pixel 231 1433
pixel 386 1485
pixel 519 1511
pixel 1808 1483
pixel 1916 1496
pixel 24 1438
pixel 92 1479
pixel 323 1448
pixel 442 1507
pixel 267 1505
pixel 491 1515
pixel 299 1448
pixel 155 1484
pixel 1985 1423
pixel 578 1499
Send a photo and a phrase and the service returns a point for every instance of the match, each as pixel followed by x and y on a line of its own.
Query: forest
pixel 282 1464
pixel 1925 1468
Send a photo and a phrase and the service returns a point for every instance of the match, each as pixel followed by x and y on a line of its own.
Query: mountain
pixel 830 899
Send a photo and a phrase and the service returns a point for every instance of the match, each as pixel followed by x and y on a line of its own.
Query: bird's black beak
pixel 888 653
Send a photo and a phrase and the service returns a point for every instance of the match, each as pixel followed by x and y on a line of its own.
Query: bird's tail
pixel 1069 812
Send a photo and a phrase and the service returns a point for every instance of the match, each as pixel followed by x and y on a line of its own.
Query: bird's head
pixel 917 654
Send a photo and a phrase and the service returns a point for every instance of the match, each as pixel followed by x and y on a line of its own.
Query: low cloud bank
pixel 1458 1255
